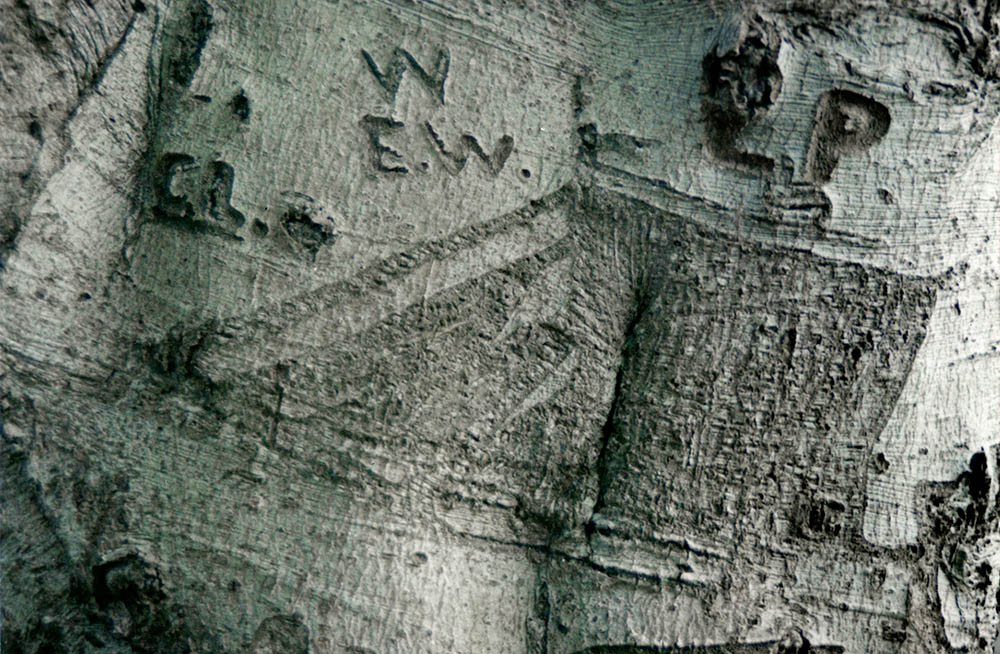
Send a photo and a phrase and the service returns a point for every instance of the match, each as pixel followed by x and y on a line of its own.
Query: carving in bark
pixel 461 327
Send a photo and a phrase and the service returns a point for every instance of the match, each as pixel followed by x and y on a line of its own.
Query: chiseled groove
pixel 544 548
pixel 608 430
pixel 385 287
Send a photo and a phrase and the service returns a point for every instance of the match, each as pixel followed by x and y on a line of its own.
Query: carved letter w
pixel 393 74
pixel 455 161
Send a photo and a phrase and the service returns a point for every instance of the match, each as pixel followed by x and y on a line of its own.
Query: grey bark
pixel 517 327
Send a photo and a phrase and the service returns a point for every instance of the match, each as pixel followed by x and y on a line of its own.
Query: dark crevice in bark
pixel 180 35
pixel 170 366
pixel 184 44
pixel 285 633
pixel 538 623
pixel 90 87
pixel 81 603
pixel 960 521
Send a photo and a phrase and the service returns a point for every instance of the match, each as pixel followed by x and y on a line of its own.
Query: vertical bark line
pixel 539 618
pixel 272 437
pixel 604 457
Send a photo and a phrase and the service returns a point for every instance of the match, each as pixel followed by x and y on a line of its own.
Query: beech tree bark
pixel 554 327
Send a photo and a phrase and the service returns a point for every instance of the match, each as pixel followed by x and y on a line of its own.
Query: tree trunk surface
pixel 544 326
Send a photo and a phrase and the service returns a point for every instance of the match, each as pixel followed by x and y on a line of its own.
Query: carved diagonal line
pixel 341 310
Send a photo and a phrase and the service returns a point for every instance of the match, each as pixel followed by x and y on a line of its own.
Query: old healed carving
pixel 391 77
pixel 846 123
pixel 456 159
pixel 198 197
pixel 376 127
pixel 739 86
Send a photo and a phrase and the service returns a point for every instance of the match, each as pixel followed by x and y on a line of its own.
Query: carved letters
pixel 494 162
pixel 376 126
pixel 846 123
pixel 743 84
pixel 198 196
pixel 393 75
pixel 386 159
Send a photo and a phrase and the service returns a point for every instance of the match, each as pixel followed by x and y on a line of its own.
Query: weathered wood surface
pixel 474 327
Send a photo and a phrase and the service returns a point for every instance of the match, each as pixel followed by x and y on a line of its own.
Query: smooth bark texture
pixel 535 327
